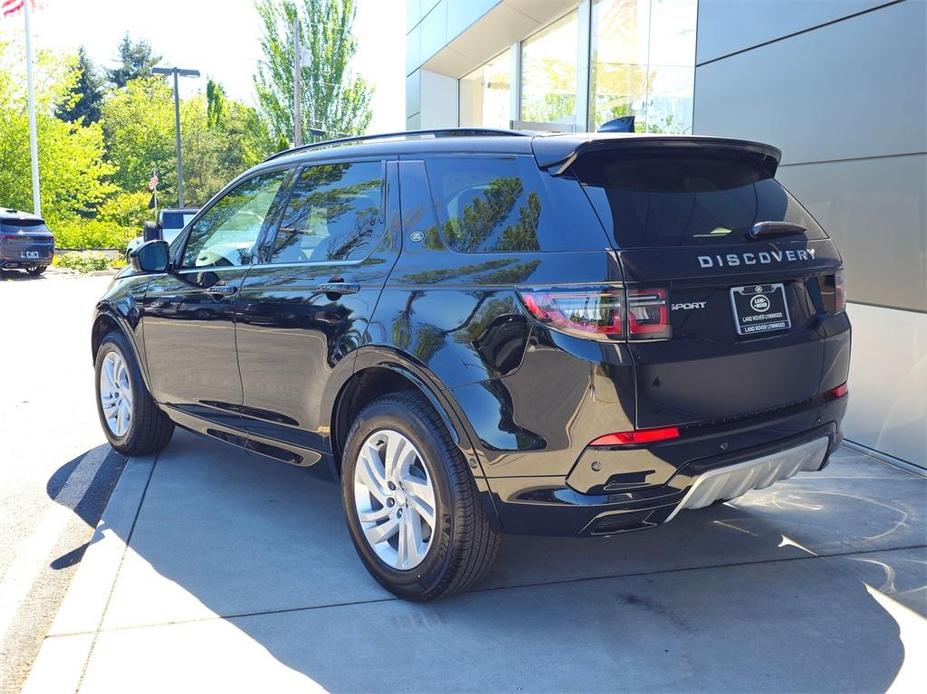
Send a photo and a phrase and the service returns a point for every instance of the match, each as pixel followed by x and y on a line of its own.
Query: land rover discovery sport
pixel 485 332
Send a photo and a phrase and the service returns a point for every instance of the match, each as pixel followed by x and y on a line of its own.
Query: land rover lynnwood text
pixel 479 332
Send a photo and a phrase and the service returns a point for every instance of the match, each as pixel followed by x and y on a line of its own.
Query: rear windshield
pixel 656 199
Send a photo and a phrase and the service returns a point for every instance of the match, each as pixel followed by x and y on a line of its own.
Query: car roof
pixel 10 215
pixel 550 149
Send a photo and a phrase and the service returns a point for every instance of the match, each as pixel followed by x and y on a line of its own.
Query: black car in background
pixel 25 242
pixel 485 332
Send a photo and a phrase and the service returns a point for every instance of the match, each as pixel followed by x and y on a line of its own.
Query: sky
pixel 220 39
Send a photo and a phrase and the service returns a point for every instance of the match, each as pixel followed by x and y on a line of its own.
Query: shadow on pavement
pixel 796 587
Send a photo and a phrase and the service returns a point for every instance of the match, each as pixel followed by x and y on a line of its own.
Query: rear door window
pixel 506 204
pixel 335 213
pixel 656 199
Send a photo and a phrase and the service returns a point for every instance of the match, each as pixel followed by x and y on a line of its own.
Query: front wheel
pixel 411 504
pixel 131 419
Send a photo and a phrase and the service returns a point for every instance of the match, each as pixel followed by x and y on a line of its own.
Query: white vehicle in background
pixel 171 221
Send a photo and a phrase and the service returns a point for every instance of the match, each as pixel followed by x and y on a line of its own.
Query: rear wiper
pixel 762 230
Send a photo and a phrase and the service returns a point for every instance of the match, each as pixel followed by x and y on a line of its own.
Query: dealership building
pixel 840 86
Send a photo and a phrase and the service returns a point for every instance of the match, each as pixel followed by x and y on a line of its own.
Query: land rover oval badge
pixel 416 236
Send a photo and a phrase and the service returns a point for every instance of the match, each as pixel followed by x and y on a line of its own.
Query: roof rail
pixel 404 134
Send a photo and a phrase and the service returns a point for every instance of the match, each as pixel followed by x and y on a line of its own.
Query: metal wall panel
pixel 888 380
pixel 727 26
pixel 876 210
pixel 855 88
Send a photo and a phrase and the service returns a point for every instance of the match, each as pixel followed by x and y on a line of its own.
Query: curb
pixel 66 648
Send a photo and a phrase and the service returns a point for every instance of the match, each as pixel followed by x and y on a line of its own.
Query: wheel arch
pixel 105 321
pixel 376 380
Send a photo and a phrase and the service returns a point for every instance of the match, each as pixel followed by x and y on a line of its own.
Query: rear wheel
pixel 410 501
pixel 35 270
pixel 131 419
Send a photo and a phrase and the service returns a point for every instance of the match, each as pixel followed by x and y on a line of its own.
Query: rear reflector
pixel 637 437
pixel 837 392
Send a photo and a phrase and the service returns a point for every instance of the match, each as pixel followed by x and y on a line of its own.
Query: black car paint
pixel 521 400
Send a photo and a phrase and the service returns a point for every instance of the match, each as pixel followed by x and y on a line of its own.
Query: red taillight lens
pixel 837 392
pixel 601 311
pixel 637 437
pixel 834 292
pixel 648 314
pixel 587 312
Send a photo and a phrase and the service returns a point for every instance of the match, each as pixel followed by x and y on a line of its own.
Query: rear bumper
pixel 15 263
pixel 549 506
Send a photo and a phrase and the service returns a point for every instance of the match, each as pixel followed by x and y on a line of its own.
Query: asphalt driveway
pixel 213 568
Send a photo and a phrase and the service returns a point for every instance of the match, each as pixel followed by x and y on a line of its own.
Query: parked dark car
pixel 25 242
pixel 483 332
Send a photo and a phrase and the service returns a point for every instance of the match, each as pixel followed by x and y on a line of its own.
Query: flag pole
pixel 33 138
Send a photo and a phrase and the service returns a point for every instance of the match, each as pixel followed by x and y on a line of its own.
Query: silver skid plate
pixel 732 481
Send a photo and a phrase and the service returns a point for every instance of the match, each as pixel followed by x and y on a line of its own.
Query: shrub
pixel 91 233
pixel 82 262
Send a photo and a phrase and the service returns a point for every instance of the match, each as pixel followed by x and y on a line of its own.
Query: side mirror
pixel 151 231
pixel 151 256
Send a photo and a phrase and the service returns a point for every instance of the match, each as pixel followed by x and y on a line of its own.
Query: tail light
pixel 585 312
pixel 606 312
pixel 637 437
pixel 834 292
pixel 648 314
pixel 837 392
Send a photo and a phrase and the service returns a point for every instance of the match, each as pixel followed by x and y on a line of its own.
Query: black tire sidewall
pixel 116 342
pixel 419 582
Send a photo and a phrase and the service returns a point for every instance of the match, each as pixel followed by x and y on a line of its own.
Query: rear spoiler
pixel 559 153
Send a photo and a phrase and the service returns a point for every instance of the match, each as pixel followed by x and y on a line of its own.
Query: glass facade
pixel 642 63
pixel 549 73
pixel 486 93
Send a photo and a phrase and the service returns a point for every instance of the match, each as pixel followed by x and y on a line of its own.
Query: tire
pixel 36 270
pixel 461 546
pixel 147 428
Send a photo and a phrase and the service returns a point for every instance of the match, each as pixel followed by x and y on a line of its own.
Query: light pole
pixel 177 72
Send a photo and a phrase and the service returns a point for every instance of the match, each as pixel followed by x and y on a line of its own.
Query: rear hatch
pixel 24 238
pixel 742 275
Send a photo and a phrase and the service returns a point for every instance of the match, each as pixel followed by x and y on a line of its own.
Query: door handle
pixel 220 291
pixel 339 288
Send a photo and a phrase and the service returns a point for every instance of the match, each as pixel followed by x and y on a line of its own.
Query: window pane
pixel 548 85
pixel 486 94
pixel 334 213
pixel 225 235
pixel 642 58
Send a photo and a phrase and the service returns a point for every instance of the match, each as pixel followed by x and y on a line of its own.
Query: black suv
pixel 486 332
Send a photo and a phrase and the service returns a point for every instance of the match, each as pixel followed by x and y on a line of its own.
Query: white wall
pixel 888 382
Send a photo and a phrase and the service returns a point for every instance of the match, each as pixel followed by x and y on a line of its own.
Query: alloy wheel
pixel 116 394
pixel 394 499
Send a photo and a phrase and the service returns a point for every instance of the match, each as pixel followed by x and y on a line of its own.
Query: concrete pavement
pixel 214 568
pixel 56 470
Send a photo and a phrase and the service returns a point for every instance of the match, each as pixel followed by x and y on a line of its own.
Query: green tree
pixel 138 124
pixel 84 101
pixel 221 138
pixel 136 60
pixel 333 99
pixel 74 175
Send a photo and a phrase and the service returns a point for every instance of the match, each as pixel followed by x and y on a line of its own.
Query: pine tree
pixel 85 99
pixel 136 61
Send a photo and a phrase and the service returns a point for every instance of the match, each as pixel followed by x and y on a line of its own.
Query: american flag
pixel 8 7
